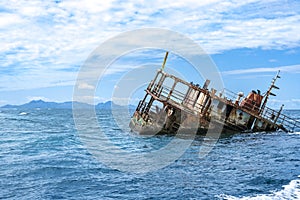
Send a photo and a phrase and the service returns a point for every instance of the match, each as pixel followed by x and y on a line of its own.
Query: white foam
pixel 23 113
pixel 294 133
pixel 289 192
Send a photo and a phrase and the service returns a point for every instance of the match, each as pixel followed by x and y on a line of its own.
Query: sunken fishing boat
pixel 167 107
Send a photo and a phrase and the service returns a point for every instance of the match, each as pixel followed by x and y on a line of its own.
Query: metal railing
pixel 166 93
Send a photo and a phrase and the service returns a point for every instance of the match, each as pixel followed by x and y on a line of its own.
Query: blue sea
pixel 43 157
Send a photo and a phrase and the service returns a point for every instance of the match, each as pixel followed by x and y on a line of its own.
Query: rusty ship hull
pixel 172 104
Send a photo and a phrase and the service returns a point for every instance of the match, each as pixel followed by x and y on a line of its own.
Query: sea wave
pixel 289 192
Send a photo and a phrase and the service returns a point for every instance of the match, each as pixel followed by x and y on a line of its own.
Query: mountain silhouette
pixel 67 105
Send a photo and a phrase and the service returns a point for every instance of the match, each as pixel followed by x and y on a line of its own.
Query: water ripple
pixel 42 157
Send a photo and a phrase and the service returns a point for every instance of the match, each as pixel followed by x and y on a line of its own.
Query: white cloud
pixel 296 100
pixel 31 98
pixel 289 69
pixel 8 19
pixel 288 103
pixel 85 86
pixel 48 41
pixel 92 100
pixel 2 102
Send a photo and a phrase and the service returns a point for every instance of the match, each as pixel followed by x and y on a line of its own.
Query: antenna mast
pixel 269 92
pixel 165 60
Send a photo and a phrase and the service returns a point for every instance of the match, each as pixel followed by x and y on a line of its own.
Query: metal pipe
pixel 278 114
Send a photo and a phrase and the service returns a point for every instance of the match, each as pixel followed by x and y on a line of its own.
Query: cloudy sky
pixel 44 43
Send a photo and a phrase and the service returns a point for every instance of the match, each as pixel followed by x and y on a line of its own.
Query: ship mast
pixel 165 60
pixel 269 92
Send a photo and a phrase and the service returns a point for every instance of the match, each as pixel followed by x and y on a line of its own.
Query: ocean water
pixel 42 157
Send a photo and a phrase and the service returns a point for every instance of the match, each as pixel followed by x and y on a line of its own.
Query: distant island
pixel 67 105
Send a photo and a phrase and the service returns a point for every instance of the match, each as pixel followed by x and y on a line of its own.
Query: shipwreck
pixel 167 107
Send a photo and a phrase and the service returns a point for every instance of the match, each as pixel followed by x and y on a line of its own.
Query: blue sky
pixel 44 43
